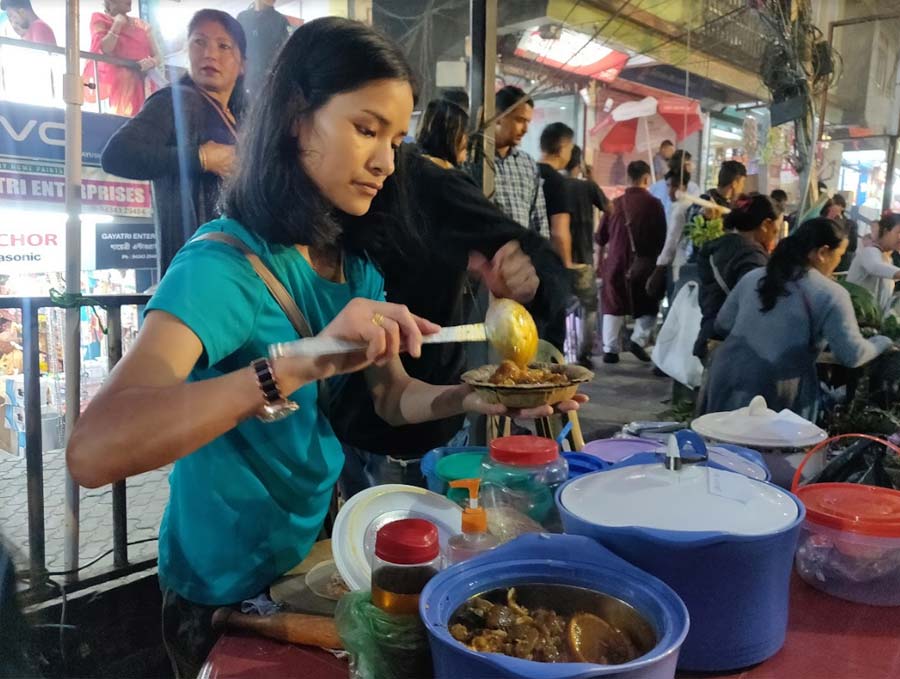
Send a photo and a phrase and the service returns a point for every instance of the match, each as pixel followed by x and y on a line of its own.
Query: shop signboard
pixel 28 248
pixel 32 175
pixel 125 245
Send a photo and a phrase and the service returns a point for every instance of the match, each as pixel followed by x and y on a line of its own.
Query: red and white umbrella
pixel 643 125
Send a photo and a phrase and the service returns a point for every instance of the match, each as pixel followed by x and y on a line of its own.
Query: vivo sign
pixel 38 133
pixel 52 134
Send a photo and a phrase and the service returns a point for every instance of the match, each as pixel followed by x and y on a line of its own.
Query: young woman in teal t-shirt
pixel 248 497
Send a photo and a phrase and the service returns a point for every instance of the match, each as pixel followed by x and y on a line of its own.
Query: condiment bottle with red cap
pixel 474 538
pixel 407 555
pixel 523 473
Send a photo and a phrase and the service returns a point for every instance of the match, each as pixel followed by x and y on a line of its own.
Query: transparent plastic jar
pixel 522 473
pixel 407 555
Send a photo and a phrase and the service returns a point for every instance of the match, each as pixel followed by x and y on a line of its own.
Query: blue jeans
pixel 363 469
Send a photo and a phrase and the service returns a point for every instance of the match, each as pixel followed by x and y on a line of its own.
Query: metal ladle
pixel 507 326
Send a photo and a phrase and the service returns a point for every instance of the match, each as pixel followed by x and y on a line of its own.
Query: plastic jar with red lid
pixel 407 555
pixel 522 473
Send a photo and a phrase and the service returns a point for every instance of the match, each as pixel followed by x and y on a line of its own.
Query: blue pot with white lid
pixel 723 541
pixel 554 561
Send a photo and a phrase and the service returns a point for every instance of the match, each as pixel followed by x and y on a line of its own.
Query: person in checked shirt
pixel 517 180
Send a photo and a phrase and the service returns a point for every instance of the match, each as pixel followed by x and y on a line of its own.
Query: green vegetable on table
pixel 868 314
pixel 891 327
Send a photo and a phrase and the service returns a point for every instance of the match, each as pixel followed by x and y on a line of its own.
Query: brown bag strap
pixel 628 225
pixel 278 291
pixel 281 295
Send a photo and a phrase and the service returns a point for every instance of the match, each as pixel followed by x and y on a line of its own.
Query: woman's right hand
pixel 219 159
pixel 386 329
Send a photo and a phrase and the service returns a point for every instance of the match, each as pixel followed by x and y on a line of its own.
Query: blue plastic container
pixel 582 463
pixel 559 560
pixel 735 586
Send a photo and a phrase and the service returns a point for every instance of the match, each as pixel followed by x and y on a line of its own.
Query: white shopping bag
pixel 674 350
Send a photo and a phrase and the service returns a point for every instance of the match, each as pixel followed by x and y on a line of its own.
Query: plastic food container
pixel 449 463
pixel 523 473
pixel 407 555
pixel 723 541
pixel 850 542
pixel 556 561
pixel 582 463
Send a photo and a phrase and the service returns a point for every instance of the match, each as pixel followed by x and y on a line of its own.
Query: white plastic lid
pixel 694 498
pixel 358 522
pixel 759 426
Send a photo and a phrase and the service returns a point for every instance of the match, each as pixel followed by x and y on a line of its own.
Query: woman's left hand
pixel 475 403
pixel 147 64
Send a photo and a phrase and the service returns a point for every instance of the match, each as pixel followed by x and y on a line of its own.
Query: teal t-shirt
pixel 248 506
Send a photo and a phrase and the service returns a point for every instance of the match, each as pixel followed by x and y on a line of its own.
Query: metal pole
pixel 889 174
pixel 34 462
pixel 73 94
pixel 482 68
pixel 119 506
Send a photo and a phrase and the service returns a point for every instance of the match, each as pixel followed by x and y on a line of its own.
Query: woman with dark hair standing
pixel 255 456
pixel 752 229
pixel 873 269
pixel 442 135
pixel 184 137
pixel 779 319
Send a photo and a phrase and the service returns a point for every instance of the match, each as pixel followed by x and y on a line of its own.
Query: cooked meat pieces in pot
pixel 540 634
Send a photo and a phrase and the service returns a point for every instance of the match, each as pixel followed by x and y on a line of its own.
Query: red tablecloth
pixel 827 639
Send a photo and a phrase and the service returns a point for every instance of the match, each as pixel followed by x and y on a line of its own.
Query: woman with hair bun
pixel 779 319
pixel 751 230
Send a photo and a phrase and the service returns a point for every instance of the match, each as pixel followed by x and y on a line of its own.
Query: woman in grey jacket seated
pixel 779 319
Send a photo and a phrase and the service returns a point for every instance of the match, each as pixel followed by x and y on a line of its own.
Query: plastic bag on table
pixel 865 462
pixel 381 645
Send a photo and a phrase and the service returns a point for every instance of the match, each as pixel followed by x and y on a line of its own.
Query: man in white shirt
pixel 680 163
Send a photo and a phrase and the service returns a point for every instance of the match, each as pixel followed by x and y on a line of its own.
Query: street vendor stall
pixel 826 637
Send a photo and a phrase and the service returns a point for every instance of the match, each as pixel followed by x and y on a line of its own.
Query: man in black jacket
pixel 460 230
pixel 266 30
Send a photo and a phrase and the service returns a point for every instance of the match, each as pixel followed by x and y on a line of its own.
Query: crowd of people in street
pixel 290 202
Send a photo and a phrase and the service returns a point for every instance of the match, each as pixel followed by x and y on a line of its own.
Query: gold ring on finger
pixel 378 319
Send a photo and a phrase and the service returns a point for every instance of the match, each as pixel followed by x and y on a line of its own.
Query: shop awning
pixel 571 51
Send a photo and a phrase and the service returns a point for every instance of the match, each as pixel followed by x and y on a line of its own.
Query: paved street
pixel 620 393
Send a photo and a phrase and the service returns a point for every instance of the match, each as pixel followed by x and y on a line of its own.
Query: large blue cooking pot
pixel 734 578
pixel 543 559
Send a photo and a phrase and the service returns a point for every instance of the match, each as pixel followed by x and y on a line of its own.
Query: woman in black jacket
pixel 751 231
pixel 184 137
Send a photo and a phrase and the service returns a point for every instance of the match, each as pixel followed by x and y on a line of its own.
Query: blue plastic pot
pixel 558 560
pixel 735 586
